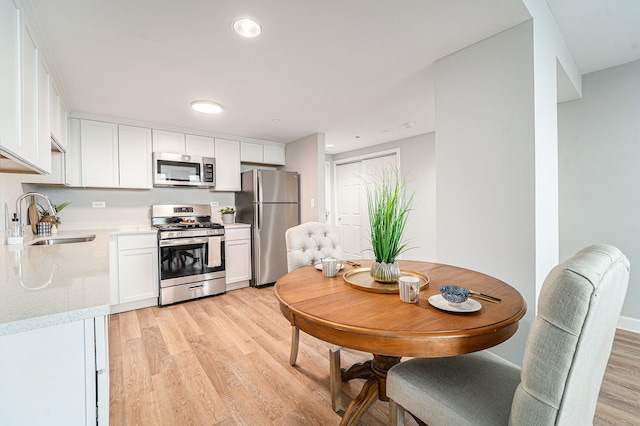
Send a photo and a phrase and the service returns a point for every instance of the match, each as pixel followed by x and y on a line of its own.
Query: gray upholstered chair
pixel 307 244
pixel 564 360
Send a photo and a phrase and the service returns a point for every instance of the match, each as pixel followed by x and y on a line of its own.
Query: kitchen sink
pixel 62 240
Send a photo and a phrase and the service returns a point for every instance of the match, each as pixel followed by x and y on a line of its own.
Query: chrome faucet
pixel 52 209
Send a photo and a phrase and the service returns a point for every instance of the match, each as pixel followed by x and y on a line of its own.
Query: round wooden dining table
pixel 340 313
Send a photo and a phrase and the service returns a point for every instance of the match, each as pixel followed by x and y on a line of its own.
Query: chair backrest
pixel 570 339
pixel 310 242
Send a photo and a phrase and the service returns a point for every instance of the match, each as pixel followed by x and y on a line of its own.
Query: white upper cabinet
pixel 274 154
pixel 172 142
pixel 115 156
pixel 9 77
pixel 134 154
pixel 251 152
pixel 99 154
pixel 24 90
pixel 202 146
pixel 43 142
pixel 29 97
pixel 58 118
pixel 179 143
pixel 227 165
pixel 257 153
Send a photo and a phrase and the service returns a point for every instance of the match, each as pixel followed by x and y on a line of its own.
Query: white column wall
pixel 552 60
pixel 306 156
pixel 485 164
pixel 599 150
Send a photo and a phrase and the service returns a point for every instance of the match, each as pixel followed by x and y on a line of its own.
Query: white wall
pixel 306 156
pixel 485 151
pixel 599 151
pixel 418 166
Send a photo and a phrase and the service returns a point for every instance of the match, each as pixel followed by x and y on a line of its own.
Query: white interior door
pixel 351 196
pixel 349 208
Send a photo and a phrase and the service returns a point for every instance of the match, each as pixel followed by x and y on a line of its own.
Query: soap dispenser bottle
pixel 15 232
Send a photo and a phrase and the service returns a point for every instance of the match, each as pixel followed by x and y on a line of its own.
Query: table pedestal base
pixel 375 387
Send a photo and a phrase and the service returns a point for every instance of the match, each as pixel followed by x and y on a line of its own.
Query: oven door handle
pixel 183 242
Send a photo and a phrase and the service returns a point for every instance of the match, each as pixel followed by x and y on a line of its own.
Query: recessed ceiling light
pixel 329 146
pixel 207 107
pixel 247 27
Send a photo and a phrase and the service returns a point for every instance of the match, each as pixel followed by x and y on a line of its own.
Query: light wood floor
pixel 223 360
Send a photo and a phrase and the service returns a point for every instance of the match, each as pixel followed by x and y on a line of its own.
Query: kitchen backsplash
pixel 123 207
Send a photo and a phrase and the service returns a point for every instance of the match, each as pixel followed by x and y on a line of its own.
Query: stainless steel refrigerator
pixel 269 202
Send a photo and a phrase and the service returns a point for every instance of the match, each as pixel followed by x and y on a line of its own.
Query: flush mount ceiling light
pixel 207 107
pixel 247 27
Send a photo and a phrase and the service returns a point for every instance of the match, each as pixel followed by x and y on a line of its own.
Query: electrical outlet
pixel 98 204
pixel 214 204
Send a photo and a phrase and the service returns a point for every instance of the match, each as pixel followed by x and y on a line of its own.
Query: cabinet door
pixel 54 112
pixel 200 145
pixel 9 77
pixel 29 97
pixel 238 260
pixel 227 165
pixel 134 154
pixel 63 142
pixel 43 142
pixel 274 154
pixel 251 152
pixel 43 376
pixel 172 142
pixel 99 154
pixel 138 274
pixel 57 118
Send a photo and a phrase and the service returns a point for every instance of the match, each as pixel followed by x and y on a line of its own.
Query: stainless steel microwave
pixel 183 170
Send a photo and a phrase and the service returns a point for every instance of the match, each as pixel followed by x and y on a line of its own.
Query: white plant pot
pixel 228 218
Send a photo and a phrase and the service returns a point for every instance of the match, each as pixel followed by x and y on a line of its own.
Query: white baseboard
pixel 629 324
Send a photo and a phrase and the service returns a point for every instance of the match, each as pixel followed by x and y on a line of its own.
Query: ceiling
pixel 359 71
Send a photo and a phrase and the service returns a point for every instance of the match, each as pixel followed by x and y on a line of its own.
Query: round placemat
pixel 360 279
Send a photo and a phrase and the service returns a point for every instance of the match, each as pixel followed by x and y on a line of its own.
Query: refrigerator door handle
pixel 259 186
pixel 258 215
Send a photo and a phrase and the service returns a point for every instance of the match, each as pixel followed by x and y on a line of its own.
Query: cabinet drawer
pixel 231 234
pixel 126 242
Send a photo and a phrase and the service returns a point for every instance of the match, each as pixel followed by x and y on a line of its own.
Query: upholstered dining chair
pixel 564 361
pixel 307 244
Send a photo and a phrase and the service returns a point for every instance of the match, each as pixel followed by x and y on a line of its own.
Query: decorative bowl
pixel 454 294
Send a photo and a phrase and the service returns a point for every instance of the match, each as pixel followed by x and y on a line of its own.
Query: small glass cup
pixel 409 289
pixel 329 267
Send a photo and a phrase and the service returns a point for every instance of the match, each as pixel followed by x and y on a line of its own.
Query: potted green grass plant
pixel 388 208
pixel 227 214
pixel 47 216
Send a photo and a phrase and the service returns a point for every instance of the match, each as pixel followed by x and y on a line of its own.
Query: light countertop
pixel 236 225
pixel 42 286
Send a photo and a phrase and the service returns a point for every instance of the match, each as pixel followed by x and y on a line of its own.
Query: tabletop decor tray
pixel 360 279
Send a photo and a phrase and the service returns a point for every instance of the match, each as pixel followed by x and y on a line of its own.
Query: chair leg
pixel 335 380
pixel 396 413
pixel 295 337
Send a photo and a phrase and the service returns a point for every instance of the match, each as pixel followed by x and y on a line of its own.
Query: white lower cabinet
pixel 237 256
pixel 134 271
pixel 57 375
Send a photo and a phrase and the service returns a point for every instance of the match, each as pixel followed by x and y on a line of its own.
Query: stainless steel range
pixel 190 252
